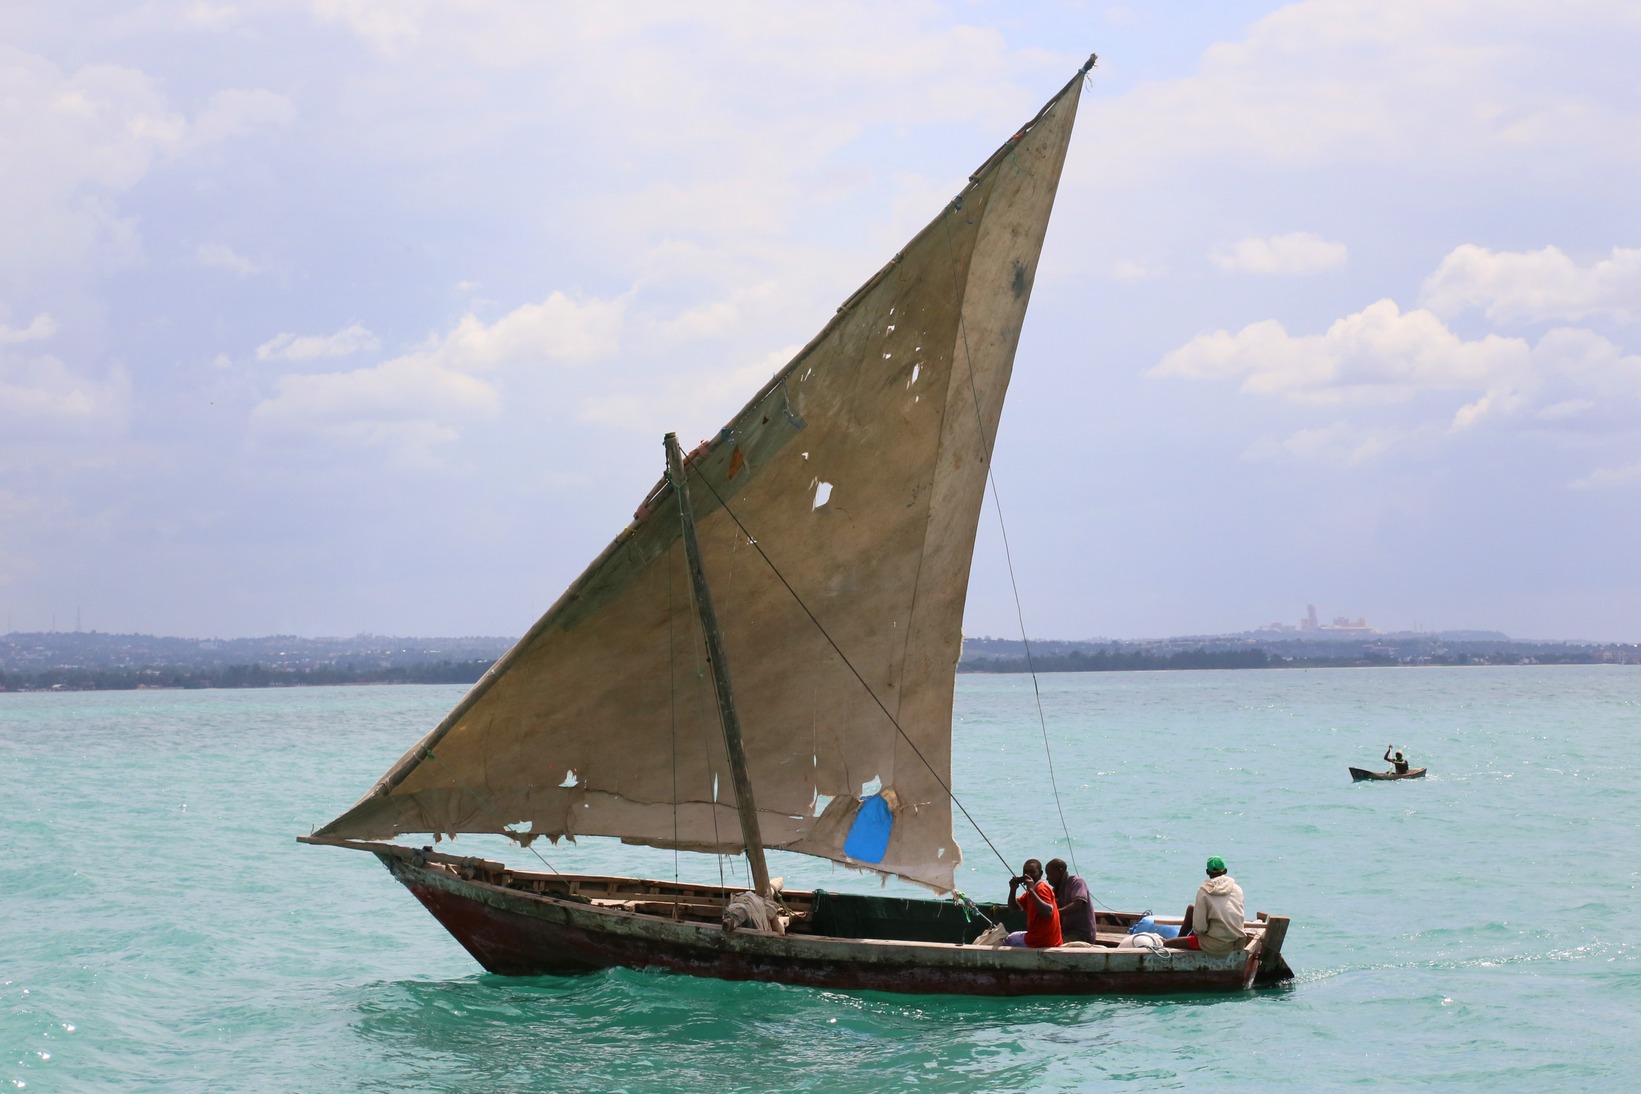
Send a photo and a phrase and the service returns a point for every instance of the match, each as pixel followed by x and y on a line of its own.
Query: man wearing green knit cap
pixel 1213 922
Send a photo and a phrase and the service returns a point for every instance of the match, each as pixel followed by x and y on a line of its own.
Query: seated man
pixel 1042 914
pixel 1072 898
pixel 1399 761
pixel 1213 923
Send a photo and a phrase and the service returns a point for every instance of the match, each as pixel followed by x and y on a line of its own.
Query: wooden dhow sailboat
pixel 765 658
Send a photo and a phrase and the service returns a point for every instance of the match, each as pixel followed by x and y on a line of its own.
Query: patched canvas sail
pixel 859 472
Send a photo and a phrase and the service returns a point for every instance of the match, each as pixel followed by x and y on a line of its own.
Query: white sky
pixel 369 315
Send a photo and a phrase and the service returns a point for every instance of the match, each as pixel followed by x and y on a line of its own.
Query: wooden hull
pixel 515 932
pixel 1362 774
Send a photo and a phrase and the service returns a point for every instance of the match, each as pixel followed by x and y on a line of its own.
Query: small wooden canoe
pixel 1359 774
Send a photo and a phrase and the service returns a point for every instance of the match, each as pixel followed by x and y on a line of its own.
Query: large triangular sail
pixel 836 516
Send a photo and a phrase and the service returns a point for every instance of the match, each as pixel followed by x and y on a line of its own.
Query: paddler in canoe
pixel 1399 762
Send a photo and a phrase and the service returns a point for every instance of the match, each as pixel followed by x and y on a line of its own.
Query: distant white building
pixel 1340 625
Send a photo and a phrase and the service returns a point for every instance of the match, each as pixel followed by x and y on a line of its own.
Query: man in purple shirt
pixel 1076 906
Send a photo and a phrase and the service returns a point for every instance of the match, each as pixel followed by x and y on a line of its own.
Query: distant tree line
pixel 240 676
pixel 1123 661
pixel 1120 660
pixel 468 671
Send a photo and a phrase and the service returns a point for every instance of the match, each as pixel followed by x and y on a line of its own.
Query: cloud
pixel 75 141
pixel 404 406
pixel 730 116
pixel 1339 442
pixel 560 329
pixel 70 140
pixel 717 317
pixel 1608 478
pixel 1571 383
pixel 1511 286
pixel 1379 355
pixel 1131 271
pixel 204 16
pixel 41 327
pixel 1356 82
pixel 52 415
pixel 237 113
pixel 42 398
pixel 1586 382
pixel 390 25
pixel 1294 253
pixel 292 347
pixel 416 401
pixel 696 397
pixel 222 257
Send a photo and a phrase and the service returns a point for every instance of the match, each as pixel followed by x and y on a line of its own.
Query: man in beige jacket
pixel 1213 923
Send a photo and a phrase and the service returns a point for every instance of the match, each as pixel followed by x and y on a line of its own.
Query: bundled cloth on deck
pixel 748 909
pixel 995 935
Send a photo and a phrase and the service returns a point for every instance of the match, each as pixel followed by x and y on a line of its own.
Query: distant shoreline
pixel 1193 660
pixel 242 677
pixel 53 661
pixel 172 678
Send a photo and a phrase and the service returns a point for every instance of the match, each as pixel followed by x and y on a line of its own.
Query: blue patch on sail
pixel 869 836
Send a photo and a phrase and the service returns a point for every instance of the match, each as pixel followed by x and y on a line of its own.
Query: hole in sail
pixel 915 370
pixel 940 852
pixel 569 779
pixel 886 356
pixel 891 329
pixel 821 802
pixel 715 786
pixel 872 786
pixel 823 491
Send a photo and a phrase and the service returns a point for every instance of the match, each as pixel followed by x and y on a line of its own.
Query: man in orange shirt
pixel 1042 914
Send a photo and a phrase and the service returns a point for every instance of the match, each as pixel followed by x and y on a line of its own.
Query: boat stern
pixel 1272 968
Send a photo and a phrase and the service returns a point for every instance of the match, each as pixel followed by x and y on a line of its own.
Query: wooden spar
pixel 720 674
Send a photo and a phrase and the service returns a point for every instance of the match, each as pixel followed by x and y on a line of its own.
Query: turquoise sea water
pixel 161 930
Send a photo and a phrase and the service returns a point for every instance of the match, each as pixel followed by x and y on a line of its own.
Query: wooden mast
pixel 720 674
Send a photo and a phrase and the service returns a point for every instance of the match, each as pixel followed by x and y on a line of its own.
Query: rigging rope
pixel 850 665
